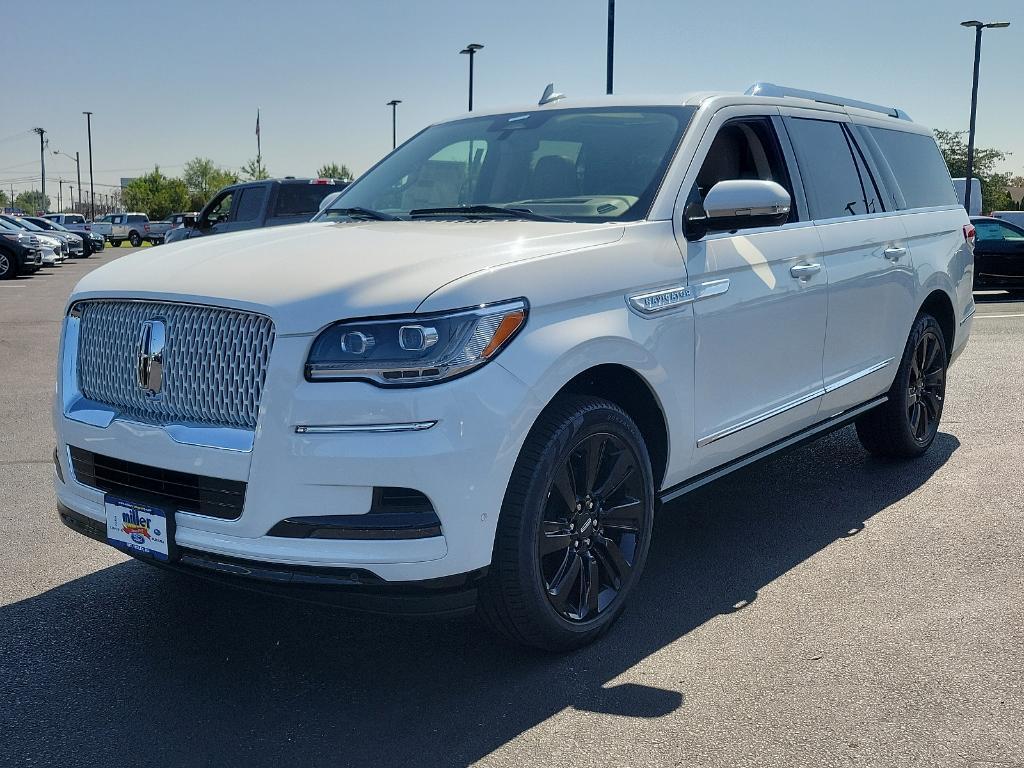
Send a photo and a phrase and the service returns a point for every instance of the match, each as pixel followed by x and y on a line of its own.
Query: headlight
pixel 417 349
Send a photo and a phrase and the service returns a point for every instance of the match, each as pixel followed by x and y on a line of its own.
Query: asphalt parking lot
pixel 821 609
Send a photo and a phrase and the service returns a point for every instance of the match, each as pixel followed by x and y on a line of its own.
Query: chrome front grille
pixel 214 361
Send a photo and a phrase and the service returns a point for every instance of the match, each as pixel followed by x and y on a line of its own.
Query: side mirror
pixel 737 204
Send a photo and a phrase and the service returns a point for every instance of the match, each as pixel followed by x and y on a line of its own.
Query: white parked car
pixel 470 383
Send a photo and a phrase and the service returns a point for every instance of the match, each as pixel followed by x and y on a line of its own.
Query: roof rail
pixel 770 89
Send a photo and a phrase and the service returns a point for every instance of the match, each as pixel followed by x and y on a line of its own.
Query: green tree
pixel 334 171
pixel 3 199
pixel 156 195
pixel 33 201
pixel 254 170
pixel 994 196
pixel 202 179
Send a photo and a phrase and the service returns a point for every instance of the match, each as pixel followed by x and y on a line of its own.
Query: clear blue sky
pixel 183 79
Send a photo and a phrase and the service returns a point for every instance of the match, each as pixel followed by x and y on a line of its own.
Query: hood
pixel 305 276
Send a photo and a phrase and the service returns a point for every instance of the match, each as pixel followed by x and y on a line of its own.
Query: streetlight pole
pixel 394 121
pixel 978 27
pixel 611 45
pixel 92 193
pixel 78 167
pixel 471 50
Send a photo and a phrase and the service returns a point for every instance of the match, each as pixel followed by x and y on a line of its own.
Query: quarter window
pixel 918 167
pixel 833 185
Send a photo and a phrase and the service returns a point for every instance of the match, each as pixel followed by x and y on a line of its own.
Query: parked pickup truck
pixel 255 204
pixel 133 227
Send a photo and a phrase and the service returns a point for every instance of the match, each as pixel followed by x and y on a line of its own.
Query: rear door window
pixel 136 219
pixel 301 199
pixel 918 167
pixel 993 230
pixel 828 168
pixel 250 203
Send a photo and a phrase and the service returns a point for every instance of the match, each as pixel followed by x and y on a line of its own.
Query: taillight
pixel 88 228
pixel 146 226
pixel 969 234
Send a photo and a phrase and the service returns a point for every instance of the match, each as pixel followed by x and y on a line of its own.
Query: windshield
pixel 600 164
pixel 46 224
pixel 22 224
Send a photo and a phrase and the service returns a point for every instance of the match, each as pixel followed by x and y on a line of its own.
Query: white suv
pixel 471 382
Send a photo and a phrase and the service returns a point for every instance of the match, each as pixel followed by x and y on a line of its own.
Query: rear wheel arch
pixel 940 306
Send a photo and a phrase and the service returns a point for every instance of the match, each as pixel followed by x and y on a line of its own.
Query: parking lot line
pixel 1018 314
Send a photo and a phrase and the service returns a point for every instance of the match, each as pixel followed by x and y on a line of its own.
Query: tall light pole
pixel 394 121
pixel 471 50
pixel 42 161
pixel 92 193
pixel 978 27
pixel 78 166
pixel 611 45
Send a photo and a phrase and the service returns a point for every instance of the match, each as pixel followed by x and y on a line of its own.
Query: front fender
pixel 561 343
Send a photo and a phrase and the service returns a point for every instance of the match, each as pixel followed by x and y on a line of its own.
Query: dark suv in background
pixel 255 204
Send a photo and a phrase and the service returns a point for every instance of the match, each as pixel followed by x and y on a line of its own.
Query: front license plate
pixel 138 528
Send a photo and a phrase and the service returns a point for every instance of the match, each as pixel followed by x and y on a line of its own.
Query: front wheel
pixel 135 239
pixel 907 423
pixel 575 527
pixel 8 266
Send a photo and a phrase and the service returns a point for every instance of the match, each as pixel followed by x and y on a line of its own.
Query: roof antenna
pixel 549 95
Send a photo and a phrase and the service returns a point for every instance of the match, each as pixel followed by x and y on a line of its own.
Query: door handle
pixel 894 253
pixel 804 271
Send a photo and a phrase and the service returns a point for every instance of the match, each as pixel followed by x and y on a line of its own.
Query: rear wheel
pixel 135 239
pixel 907 423
pixel 574 529
pixel 115 243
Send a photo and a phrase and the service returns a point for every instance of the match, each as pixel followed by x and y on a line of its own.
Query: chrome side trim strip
pixel 760 417
pixel 710 288
pixel 793 403
pixel 859 375
pixel 675 296
pixel 341 429
pixel 804 435
pixel 970 314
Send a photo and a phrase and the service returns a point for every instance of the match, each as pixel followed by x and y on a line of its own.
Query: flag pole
pixel 259 153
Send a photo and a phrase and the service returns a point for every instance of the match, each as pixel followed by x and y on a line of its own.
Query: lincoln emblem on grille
pixel 151 355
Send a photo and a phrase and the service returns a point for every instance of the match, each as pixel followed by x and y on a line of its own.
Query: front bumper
pixel 461 464
pixel 347 588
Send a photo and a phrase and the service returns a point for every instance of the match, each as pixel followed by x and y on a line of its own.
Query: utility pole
pixel 42 161
pixel 611 45
pixel 71 194
pixel 394 131
pixel 92 193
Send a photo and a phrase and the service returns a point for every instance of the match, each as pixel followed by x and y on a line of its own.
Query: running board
pixel 793 441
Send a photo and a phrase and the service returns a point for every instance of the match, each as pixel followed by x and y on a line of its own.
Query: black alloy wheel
pixel 906 424
pixel 593 527
pixel 927 387
pixel 574 529
pixel 135 239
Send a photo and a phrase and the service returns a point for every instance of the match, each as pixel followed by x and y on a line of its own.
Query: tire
pixel 584 460
pixel 8 266
pixel 115 243
pixel 906 424
pixel 135 239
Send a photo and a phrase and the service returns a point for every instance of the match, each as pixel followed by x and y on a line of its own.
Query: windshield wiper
pixel 357 212
pixel 483 210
